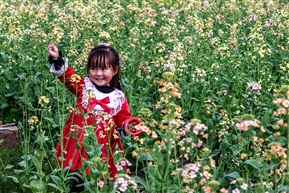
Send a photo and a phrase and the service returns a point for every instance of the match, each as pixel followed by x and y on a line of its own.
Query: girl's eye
pixel 95 68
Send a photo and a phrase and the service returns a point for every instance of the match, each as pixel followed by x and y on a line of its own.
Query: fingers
pixel 51 46
pixel 52 50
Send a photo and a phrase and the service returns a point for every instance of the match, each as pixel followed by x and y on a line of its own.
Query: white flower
pixel 236 190
pixel 244 186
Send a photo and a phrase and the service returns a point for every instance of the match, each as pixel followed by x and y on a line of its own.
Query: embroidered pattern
pixel 89 91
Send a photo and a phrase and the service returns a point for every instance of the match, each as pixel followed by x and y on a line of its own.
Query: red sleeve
pixel 72 81
pixel 123 114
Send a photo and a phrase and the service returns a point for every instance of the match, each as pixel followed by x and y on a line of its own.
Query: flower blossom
pixel 122 183
pixel 32 120
pixel 236 190
pixel 189 172
pixel 198 127
pixel 43 100
pixel 254 86
pixel 121 164
pixel 244 186
pixel 244 125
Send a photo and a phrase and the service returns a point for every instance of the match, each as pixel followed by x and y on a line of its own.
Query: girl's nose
pixel 98 72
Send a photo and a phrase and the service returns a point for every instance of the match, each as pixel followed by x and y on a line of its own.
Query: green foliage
pixel 219 63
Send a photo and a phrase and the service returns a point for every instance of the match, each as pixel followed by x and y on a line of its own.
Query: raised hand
pixel 53 51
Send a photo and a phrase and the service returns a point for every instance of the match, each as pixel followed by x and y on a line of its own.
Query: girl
pixel 98 96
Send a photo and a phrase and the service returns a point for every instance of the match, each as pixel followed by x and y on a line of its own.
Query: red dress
pixel 93 104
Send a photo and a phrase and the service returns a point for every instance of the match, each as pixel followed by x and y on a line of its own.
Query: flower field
pixel 208 78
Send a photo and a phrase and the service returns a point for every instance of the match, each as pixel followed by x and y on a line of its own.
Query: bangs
pixel 101 59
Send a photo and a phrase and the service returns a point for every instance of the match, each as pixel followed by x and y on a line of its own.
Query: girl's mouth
pixel 98 79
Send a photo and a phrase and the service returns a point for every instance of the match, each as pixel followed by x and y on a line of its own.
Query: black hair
pixel 105 56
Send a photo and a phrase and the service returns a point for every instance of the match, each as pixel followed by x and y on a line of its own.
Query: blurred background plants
pixel 201 74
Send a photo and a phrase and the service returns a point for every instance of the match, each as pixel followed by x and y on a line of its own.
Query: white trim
pixel 116 98
pixel 62 69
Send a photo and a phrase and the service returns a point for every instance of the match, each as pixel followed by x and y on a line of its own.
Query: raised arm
pixel 72 81
pixel 123 114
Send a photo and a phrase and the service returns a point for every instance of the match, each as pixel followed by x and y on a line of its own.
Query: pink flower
pixel 100 183
pixel 199 127
pixel 123 183
pixel 233 182
pixel 236 190
pixel 282 111
pixel 244 186
pixel 206 174
pixel 253 17
pixel 254 86
pixel 223 190
pixel 244 125
pixel 285 103
pixel 278 101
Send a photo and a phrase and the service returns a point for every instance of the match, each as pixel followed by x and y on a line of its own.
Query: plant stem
pixel 287 144
pixel 146 176
pixel 136 167
pixel 167 161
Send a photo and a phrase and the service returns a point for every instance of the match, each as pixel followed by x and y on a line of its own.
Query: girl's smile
pixel 101 76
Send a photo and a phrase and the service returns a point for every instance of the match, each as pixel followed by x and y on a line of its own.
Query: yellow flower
pixel 43 100
pixel 243 155
pixel 134 154
pixel 154 135
pixel 104 35
pixel 32 120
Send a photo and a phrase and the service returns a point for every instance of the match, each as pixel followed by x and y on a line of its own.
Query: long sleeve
pixel 58 69
pixel 57 64
pixel 72 81
pixel 123 114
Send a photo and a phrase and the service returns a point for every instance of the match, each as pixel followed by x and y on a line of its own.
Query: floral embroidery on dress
pixel 75 78
pixel 89 91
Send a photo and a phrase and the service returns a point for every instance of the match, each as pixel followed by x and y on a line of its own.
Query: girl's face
pixel 102 76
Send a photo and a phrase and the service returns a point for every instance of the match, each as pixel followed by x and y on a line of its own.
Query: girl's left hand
pixel 133 126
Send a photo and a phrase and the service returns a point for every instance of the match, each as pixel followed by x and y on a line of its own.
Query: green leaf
pixel 54 186
pixel 52 122
pixel 36 162
pixel 142 182
pixel 13 178
pixel 95 173
pixel 18 171
pixel 38 165
pixel 254 163
pixel 36 75
pixel 233 175
pixel 284 188
pixel 56 180
pixel 210 123
pixel 37 184
pixel 235 149
pixel 224 145
pixel 282 140
pixel 145 156
pixel 41 152
pixel 9 167
pixel 4 105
